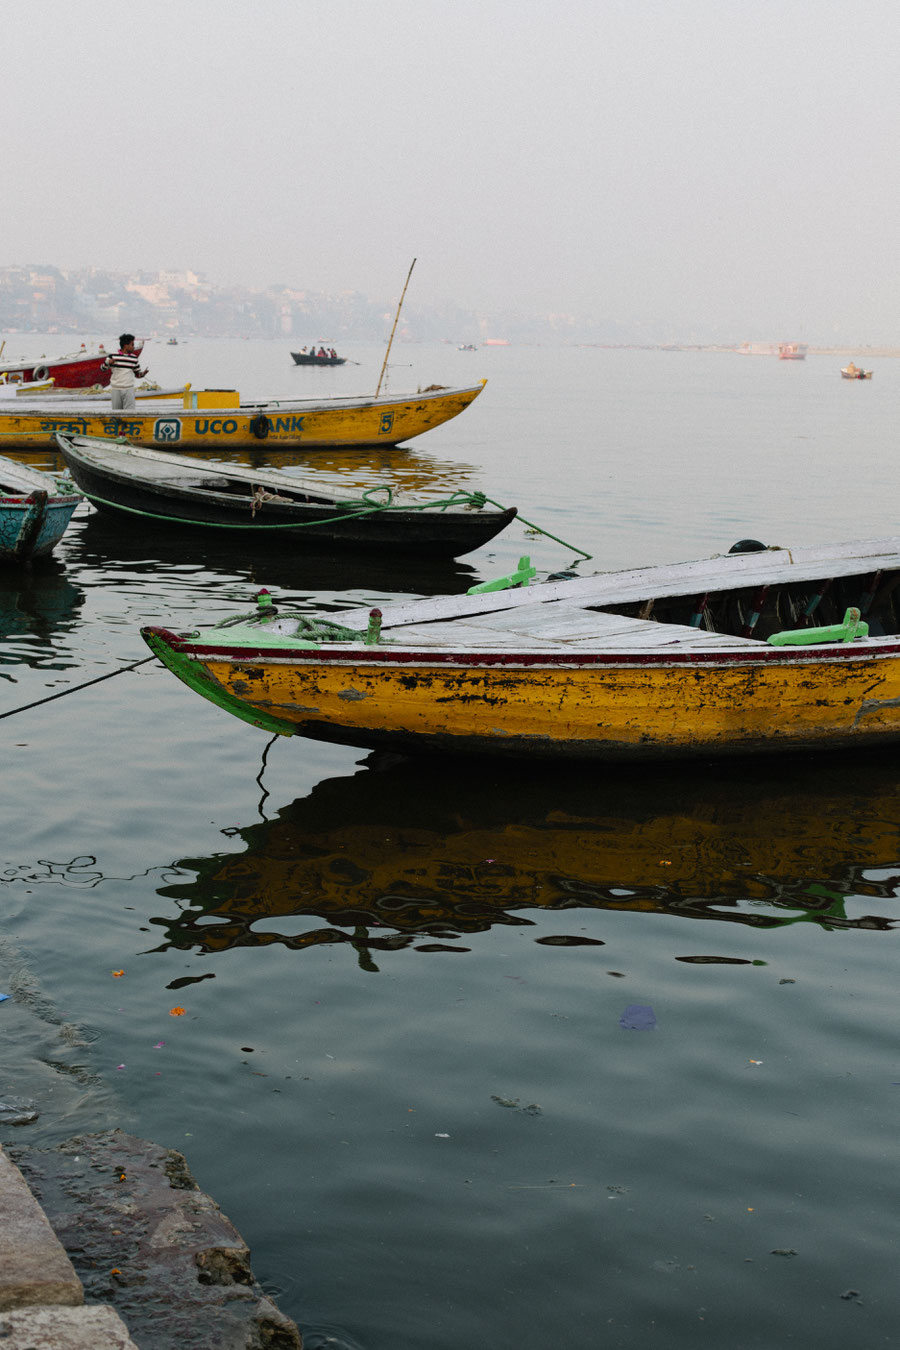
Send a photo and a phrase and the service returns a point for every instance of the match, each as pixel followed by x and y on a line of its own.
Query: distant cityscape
pixel 47 299
pixel 96 302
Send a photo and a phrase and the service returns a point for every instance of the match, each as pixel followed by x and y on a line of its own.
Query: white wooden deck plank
pixel 626 635
pixel 452 635
pixel 550 620
pixel 736 570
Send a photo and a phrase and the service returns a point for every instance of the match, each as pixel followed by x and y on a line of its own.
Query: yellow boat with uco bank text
pixel 216 420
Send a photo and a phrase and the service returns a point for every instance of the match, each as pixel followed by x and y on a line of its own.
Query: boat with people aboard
pixel 35 510
pixel 757 651
pixel 792 351
pixel 854 372
pixel 214 420
pixel 166 489
pixel 73 371
pixel 324 356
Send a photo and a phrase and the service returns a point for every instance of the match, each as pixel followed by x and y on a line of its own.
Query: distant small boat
pixel 314 359
pixel 853 372
pixel 166 489
pixel 467 347
pixel 792 351
pixel 34 512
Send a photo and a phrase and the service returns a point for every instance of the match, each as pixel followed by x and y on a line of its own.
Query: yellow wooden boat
pixel 764 649
pixel 217 421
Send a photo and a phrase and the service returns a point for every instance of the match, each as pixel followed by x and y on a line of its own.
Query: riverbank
pixel 109 1244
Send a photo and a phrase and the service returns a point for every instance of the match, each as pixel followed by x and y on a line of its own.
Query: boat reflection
pixel 351 469
pixel 37 602
pixel 412 851
pixel 107 544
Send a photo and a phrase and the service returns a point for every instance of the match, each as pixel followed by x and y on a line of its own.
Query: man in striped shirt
pixel 124 367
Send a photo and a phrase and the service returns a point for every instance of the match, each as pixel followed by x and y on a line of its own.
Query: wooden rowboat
pixel 286 424
pixel 74 371
pixel 172 490
pixel 312 359
pixel 757 651
pixel 35 511
pixel 853 372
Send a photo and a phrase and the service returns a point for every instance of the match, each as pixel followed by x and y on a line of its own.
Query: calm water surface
pixel 400 1067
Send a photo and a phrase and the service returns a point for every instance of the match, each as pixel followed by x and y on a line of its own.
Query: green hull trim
pixel 197 678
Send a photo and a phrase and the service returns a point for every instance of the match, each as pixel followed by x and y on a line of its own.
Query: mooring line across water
pixel 75 688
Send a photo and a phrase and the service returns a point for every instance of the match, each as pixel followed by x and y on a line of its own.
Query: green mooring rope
pixel 459 498
pixel 586 557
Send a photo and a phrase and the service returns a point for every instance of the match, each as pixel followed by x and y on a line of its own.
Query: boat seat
pixel 207 481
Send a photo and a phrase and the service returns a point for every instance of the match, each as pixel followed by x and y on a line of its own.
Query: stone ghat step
pixel 121 1222
pixel 34 1267
pixel 61 1328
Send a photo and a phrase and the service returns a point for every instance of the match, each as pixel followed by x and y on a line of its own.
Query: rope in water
pixel 75 688
pixel 476 499
pixel 586 557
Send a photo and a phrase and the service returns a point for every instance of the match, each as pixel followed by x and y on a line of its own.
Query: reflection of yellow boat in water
pixel 391 858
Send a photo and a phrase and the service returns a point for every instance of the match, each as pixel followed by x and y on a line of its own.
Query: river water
pixel 378 1002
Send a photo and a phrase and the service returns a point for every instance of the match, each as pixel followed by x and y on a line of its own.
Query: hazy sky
pixel 683 163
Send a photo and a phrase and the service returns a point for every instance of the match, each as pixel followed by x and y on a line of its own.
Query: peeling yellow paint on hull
pixel 607 709
pixel 358 422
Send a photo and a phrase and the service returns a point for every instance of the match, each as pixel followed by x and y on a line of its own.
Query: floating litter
pixel 638 1017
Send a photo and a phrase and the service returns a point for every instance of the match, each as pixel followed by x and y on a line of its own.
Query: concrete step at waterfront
pixel 34 1267
pixel 61 1328
pixel 145 1241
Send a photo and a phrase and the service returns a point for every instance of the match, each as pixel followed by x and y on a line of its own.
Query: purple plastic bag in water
pixel 638 1017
